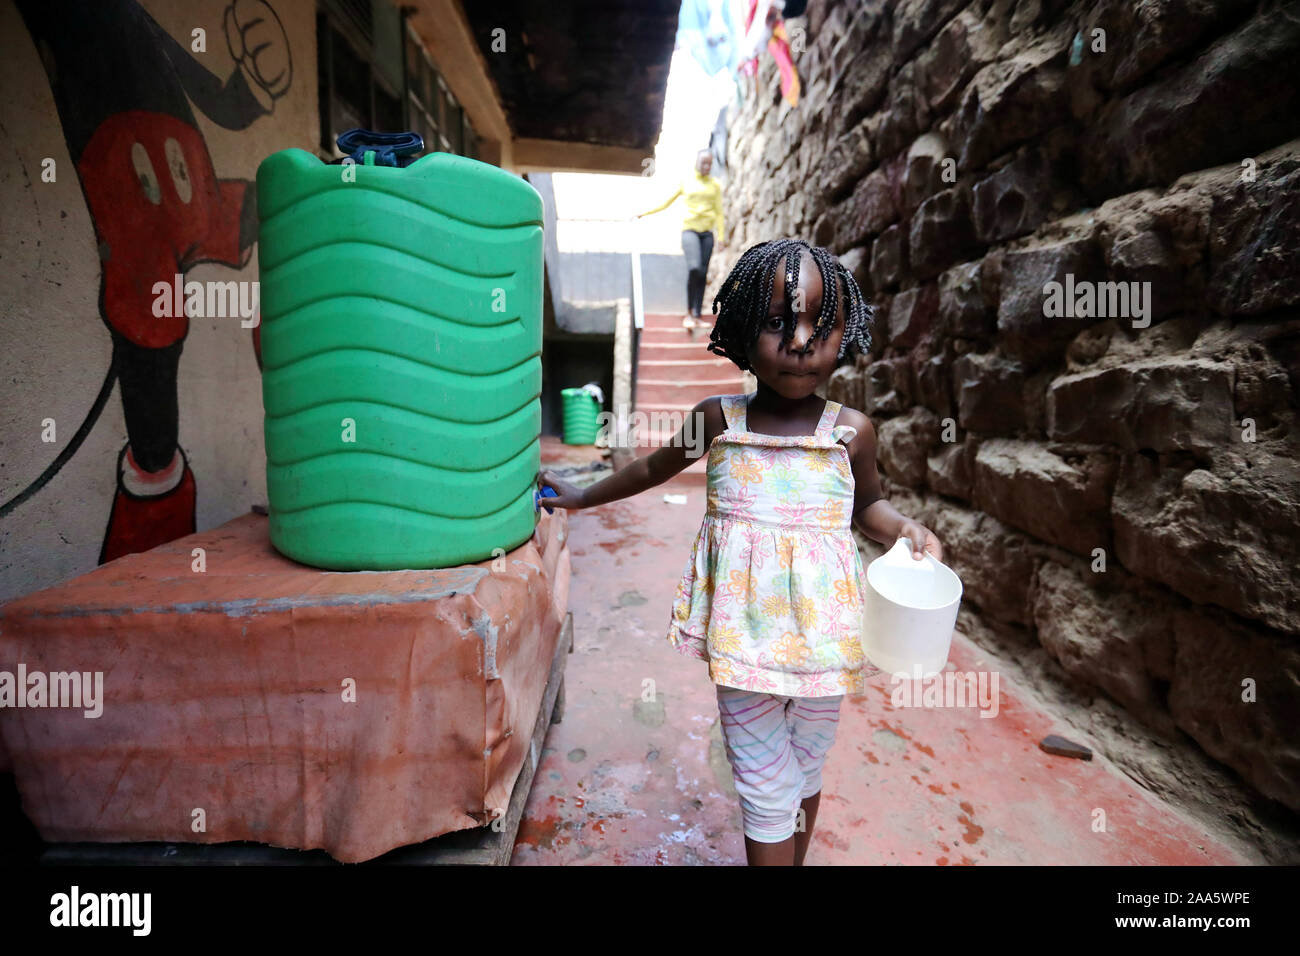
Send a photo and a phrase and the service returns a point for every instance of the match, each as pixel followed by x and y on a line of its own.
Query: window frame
pixel 435 118
pixel 331 28
pixel 422 82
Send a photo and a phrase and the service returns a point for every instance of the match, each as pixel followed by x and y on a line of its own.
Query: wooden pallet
pixel 490 845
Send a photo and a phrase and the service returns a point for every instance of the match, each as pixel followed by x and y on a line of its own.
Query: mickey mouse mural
pixel 126 93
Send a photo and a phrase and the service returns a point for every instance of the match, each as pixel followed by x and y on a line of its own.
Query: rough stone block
pixel 904 444
pixel 1012 100
pixel 866 211
pixel 931 372
pixel 882 304
pixel 1064 501
pixel 941 232
pixel 848 386
pixel 1262 387
pixel 912 315
pixel 864 82
pixel 849 156
pixel 1255 242
pixel 949 470
pixel 963 309
pixel 1215 654
pixel 1150 257
pixel 917 21
pixel 1228 536
pixel 923 171
pixel 906 113
pixel 889 257
pixel 1025 329
pixel 889 389
pixel 990 393
pixel 1014 200
pixel 1225 105
pixel 1104 635
pixel 1142 36
pixel 1164 404
pixel 855 261
pixel 944 67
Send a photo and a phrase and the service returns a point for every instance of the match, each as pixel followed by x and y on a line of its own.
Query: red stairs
pixel 675 370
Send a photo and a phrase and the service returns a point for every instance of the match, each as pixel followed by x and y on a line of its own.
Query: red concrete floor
pixel 636 773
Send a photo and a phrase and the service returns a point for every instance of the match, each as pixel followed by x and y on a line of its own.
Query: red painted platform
pixel 259 699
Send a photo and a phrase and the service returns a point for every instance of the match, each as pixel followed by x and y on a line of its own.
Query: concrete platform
pixel 634 777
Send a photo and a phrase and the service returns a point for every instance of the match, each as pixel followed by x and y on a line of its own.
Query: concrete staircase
pixel 675 370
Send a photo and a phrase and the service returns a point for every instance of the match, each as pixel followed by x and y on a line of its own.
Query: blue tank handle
pixel 546 492
pixel 387 149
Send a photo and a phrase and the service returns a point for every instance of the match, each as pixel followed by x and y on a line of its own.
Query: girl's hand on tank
pixel 566 495
pixel 917 532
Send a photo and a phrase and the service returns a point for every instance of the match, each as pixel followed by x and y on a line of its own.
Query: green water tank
pixel 401 359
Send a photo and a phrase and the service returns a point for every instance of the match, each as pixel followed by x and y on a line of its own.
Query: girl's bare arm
pixel 879 520
pixel 691 442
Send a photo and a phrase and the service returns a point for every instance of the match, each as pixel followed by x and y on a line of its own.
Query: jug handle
pixel 901 554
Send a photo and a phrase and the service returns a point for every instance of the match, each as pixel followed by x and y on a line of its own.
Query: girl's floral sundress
pixel 772 594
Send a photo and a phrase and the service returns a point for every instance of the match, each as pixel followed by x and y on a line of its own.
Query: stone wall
pixel 1118 491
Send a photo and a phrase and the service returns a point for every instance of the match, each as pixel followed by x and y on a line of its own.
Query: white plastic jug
pixel 908 612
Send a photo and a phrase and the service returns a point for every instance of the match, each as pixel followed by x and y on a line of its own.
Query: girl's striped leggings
pixel 776 747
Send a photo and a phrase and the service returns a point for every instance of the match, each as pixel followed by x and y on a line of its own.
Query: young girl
pixel 772 594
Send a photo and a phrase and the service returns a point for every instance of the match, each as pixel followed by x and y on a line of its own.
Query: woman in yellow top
pixel 703 222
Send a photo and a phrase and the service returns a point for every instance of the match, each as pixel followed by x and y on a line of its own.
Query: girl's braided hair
pixel 742 303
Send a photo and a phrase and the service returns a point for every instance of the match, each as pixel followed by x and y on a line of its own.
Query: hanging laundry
pixel 779 47
pixel 709 31
pixel 764 22
pixel 732 34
